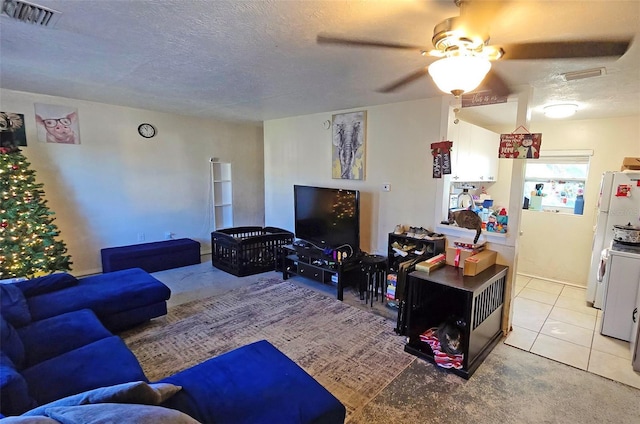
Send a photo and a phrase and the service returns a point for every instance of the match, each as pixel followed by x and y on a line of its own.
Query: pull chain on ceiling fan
pixel 464 56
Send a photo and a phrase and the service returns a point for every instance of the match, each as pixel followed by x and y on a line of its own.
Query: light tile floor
pixel 554 321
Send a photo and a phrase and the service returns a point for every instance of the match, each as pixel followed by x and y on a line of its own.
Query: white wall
pixel 558 246
pixel 115 184
pixel 298 151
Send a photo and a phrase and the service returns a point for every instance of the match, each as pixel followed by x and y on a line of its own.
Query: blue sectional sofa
pixel 60 359
pixel 60 356
pixel 120 299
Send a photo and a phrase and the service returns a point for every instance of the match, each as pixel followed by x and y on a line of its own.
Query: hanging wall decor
pixel 57 124
pixel 520 145
pixel 348 139
pixel 441 153
pixel 482 98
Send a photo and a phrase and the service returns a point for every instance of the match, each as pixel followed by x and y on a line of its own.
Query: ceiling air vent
pixel 587 73
pixel 30 13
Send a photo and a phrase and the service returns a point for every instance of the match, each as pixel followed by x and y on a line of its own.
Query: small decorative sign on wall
pixel 520 146
pixel 482 98
pixel 441 152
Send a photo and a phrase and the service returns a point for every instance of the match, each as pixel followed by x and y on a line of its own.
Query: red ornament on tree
pixel 4 224
pixel 15 167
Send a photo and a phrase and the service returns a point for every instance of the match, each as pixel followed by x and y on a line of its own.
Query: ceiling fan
pixel 464 55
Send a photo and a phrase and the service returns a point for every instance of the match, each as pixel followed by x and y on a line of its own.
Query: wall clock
pixel 147 130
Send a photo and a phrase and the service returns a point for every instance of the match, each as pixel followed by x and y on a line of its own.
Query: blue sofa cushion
pixel 14 391
pixel 102 363
pixel 46 284
pixel 29 420
pixel 108 413
pixel 68 331
pixel 104 294
pixel 13 305
pixel 139 392
pixel 253 384
pixel 11 343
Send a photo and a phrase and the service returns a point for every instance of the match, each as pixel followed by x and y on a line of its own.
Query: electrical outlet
pixel 386 187
pixel 140 236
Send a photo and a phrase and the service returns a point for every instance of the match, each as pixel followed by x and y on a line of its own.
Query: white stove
pixel 625 247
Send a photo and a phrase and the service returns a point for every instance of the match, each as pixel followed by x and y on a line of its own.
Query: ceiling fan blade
pixel 566 49
pixel 494 82
pixel 328 39
pixel 403 81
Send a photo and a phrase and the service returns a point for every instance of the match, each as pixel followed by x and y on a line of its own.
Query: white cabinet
pixel 222 195
pixel 475 153
pixel 623 277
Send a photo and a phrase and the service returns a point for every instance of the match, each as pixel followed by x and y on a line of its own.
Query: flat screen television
pixel 327 217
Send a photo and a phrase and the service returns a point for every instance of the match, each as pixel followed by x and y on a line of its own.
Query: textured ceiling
pixel 258 60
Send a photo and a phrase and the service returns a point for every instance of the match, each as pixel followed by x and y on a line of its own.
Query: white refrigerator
pixel 613 209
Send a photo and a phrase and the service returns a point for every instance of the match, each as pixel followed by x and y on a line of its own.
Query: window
pixel 559 177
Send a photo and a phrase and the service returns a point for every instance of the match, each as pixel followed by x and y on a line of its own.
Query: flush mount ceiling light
pixel 460 73
pixel 562 110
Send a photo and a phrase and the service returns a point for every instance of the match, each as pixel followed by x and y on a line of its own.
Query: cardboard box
pixel 630 164
pixel 464 254
pixel 477 263
pixel 429 267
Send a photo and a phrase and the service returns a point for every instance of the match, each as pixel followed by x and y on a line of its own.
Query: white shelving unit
pixel 222 195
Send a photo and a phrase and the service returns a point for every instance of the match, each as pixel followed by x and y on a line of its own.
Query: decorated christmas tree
pixel 28 244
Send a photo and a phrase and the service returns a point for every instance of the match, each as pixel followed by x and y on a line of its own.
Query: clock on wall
pixel 147 130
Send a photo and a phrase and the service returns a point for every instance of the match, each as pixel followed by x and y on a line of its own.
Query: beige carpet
pixel 351 352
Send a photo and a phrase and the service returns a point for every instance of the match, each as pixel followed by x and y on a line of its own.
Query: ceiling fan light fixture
pixel 459 74
pixel 559 111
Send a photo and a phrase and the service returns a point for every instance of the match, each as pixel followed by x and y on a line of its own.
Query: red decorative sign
pixel 520 146
pixel 441 152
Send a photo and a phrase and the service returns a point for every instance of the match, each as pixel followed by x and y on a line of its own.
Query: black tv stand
pixel 313 263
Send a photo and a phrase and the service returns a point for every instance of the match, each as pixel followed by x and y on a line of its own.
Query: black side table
pixel 374 268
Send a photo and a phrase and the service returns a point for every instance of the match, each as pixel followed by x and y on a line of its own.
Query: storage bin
pixel 245 251
pixel 152 257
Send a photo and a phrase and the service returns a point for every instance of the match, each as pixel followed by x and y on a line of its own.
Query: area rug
pixel 353 353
